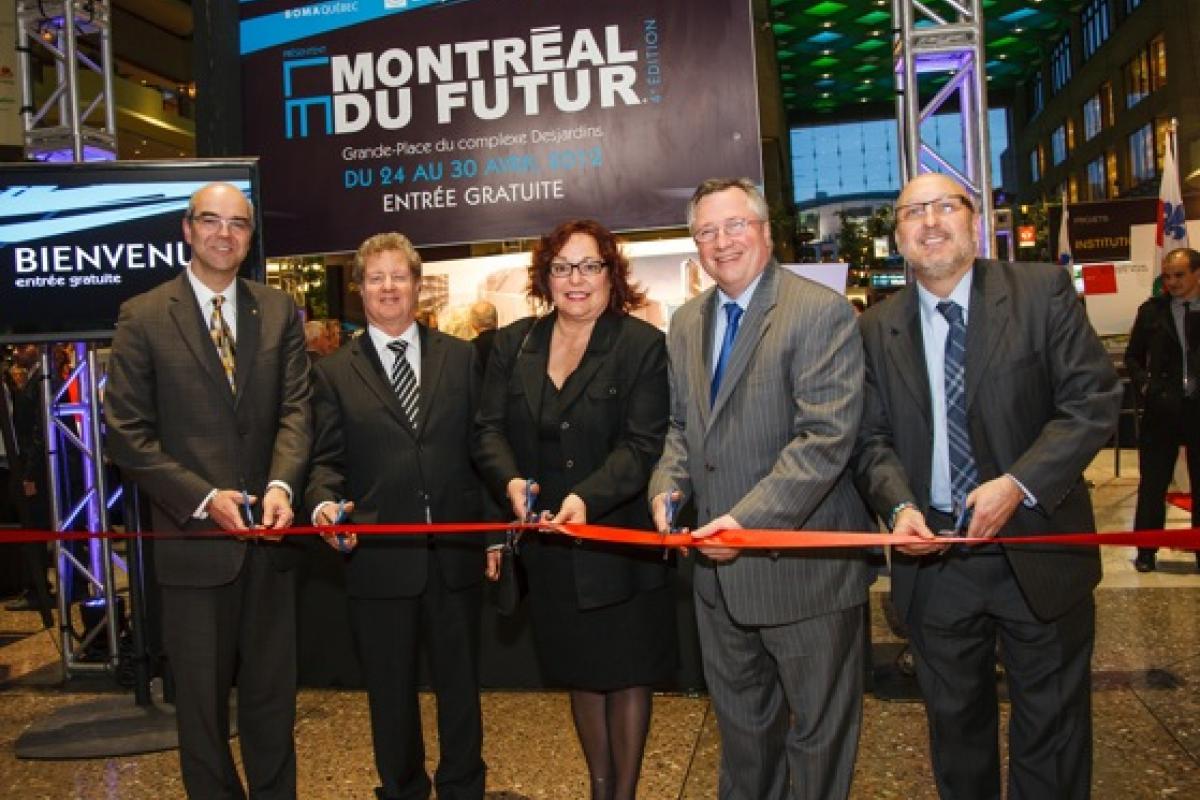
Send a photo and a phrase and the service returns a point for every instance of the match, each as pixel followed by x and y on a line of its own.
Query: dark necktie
pixel 1189 377
pixel 964 476
pixel 733 315
pixel 223 339
pixel 404 380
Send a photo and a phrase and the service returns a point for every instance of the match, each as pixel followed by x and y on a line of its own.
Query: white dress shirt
pixel 387 358
pixel 721 318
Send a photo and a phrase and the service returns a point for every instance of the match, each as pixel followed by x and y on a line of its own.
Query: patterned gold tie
pixel 223 339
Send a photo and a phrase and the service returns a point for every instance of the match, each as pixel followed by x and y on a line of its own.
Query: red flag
pixel 1099 279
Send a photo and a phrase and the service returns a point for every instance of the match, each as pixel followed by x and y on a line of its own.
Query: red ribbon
pixel 749 539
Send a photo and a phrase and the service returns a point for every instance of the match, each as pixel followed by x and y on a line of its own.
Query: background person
pixel 482 318
pixel 1163 359
pixel 317 341
pixel 208 411
pixel 577 400
pixel 393 411
pixel 30 477
pixel 334 331
pixel 763 417
pixel 986 389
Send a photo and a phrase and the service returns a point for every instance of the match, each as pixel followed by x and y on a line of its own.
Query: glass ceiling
pixel 834 54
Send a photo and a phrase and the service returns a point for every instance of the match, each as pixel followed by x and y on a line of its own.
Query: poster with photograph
pixel 668 270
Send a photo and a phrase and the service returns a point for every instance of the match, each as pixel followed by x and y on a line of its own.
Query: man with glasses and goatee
pixel 208 412
pixel 987 394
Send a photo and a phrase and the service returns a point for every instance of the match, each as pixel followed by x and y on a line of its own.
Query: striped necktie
pixel 964 475
pixel 404 380
pixel 223 339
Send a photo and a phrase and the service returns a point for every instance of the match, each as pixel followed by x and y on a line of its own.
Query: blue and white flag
pixel 1065 258
pixel 1172 221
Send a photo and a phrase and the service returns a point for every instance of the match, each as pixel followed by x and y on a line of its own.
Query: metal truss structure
pixel 80 500
pixel 81 129
pixel 69 31
pixel 944 38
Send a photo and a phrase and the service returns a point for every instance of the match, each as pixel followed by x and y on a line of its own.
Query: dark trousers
pixel 244 631
pixel 35 513
pixel 1161 436
pixel 788 700
pixel 962 605
pixel 387 632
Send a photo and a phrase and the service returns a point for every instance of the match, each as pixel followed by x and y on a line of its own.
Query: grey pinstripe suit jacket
pixel 773 449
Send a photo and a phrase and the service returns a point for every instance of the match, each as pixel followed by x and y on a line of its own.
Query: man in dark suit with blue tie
pixel 394 411
pixel 987 394
pixel 208 412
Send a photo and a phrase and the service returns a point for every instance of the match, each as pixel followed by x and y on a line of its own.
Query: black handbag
pixel 511 586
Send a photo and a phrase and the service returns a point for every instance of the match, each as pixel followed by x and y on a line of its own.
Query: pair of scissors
pixel 962 521
pixel 247 509
pixel 671 509
pixel 513 535
pixel 531 494
pixel 342 545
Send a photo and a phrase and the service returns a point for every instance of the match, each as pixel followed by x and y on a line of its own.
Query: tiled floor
pixel 1147 709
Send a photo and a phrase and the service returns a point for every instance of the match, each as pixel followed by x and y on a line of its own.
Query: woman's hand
pixel 572 511
pixel 495 556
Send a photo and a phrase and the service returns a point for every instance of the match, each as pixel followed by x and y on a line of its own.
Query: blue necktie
pixel 733 315
pixel 964 476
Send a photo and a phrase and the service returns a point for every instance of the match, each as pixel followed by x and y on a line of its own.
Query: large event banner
pixel 491 119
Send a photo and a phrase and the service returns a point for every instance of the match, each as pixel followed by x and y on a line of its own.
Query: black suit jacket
pixel 176 429
pixel 483 346
pixel 29 429
pixel 367 451
pixel 8 438
pixel 614 421
pixel 1042 399
pixel 1154 355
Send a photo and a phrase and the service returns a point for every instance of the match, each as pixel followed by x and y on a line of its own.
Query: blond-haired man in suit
pixel 393 413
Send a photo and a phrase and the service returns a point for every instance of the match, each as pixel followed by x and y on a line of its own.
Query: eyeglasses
pixel 732 227
pixel 942 207
pixel 586 266
pixel 212 223
pixel 376 279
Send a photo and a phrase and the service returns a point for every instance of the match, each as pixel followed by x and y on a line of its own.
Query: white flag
pixel 1172 222
pixel 1064 235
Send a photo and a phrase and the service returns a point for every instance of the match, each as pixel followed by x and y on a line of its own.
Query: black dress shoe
pixel 1144 563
